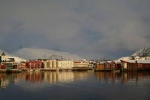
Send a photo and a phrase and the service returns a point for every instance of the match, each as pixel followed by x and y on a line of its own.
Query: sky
pixel 93 29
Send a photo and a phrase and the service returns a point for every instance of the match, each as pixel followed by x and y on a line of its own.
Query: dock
pixel 10 71
pixel 49 69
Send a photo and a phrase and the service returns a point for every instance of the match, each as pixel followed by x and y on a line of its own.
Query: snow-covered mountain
pixel 144 52
pixel 34 53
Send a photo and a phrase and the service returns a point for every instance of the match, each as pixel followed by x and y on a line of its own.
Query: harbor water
pixel 72 85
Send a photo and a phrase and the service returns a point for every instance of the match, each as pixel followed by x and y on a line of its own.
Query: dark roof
pixel 11 59
pixel 3 54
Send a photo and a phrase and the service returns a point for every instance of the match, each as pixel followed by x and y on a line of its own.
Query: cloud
pixel 86 27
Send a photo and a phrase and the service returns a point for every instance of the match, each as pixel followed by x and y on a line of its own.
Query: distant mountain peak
pixel 144 52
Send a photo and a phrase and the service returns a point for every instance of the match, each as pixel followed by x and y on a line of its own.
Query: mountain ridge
pixel 142 54
pixel 36 53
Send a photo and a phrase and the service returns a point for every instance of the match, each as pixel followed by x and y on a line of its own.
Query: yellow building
pixel 65 64
pixel 58 64
pixel 50 64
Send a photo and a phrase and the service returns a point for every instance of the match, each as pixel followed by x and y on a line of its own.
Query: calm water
pixel 75 86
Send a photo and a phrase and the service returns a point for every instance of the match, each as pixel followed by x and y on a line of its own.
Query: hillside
pixel 34 53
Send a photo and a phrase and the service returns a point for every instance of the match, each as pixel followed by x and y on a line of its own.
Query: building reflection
pixel 33 77
pixel 108 77
pixel 123 78
pixel 5 79
pixel 53 77
pixel 135 77
pixel 37 77
pixel 70 76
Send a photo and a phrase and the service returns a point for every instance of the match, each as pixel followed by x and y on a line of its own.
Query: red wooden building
pixel 34 64
pixel 108 65
pixel 135 64
pixel 112 65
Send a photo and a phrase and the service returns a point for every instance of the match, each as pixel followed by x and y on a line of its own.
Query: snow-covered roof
pixel 143 61
pixel 117 62
pixel 17 59
pixel 109 61
pixel 138 61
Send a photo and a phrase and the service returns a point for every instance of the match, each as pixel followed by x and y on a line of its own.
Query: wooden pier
pixel 49 69
pixel 10 71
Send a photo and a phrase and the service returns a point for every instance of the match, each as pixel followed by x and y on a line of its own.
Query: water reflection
pixel 55 77
pixel 5 79
pixel 108 77
pixel 124 78
pixel 33 77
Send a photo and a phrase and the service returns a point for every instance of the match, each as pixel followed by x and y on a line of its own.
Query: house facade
pixel 58 64
pixel 34 64
pixel 65 64
pixel 81 63
pixel 21 65
pixel 135 64
pixel 7 63
pixel 50 64
pixel 112 65
pixel 100 65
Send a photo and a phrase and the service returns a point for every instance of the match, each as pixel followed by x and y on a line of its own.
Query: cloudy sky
pixel 105 29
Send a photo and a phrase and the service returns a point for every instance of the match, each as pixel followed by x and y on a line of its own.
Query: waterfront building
pixel 134 65
pixel 108 65
pixel 21 65
pixel 112 64
pixel 58 64
pixel 50 64
pixel 81 63
pixel 100 65
pixel 34 65
pixel 7 63
pixel 65 64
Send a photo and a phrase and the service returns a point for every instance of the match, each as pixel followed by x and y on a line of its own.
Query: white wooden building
pixel 58 64
pixel 50 64
pixel 65 64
